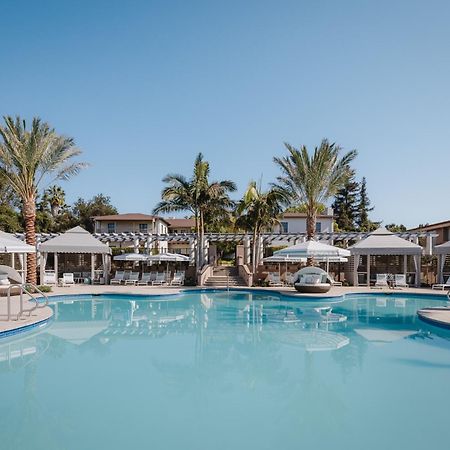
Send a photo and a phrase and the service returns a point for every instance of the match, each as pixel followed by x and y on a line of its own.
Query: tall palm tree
pixel 27 158
pixel 311 180
pixel 197 195
pixel 258 211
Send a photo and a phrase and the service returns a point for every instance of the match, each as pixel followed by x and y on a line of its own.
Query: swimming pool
pixel 217 370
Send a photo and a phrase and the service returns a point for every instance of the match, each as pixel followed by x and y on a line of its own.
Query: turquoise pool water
pixel 227 371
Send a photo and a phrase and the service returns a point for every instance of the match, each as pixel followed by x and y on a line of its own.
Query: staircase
pixel 225 276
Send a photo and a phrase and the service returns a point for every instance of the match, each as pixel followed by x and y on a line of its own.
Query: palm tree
pixel 197 195
pixel 27 158
pixel 311 180
pixel 56 198
pixel 258 211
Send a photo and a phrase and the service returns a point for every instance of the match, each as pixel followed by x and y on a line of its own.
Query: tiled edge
pixel 24 328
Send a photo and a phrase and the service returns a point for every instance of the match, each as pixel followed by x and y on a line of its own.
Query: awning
pixel 313 249
pixel 10 244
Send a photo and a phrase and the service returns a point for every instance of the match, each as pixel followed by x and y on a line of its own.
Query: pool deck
pixel 43 314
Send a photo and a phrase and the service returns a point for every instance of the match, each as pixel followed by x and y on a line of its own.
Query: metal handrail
pixel 23 289
pixel 448 294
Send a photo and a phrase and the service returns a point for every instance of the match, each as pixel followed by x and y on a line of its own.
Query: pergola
pixel 442 251
pixel 9 244
pixel 383 242
pixel 77 241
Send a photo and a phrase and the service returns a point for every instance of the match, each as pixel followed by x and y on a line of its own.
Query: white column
pixel 92 267
pixel 417 264
pixel 368 270
pixel 429 246
pixel 261 251
pixel 441 264
pixel 136 245
pixel 205 251
pixel 56 266
pixel 191 252
pixel 355 269
pixel 42 263
pixel 247 250
pixel 405 264
pixel 149 245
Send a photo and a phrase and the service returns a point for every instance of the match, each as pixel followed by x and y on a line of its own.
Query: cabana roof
pixel 443 249
pixel 383 242
pixel 76 240
pixel 10 244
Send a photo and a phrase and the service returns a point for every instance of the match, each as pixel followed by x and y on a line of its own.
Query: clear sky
pixel 143 86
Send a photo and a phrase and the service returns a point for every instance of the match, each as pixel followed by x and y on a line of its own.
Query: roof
pixel 433 226
pixel 311 249
pixel 443 249
pixel 383 242
pixel 299 215
pixel 75 240
pixel 181 223
pixel 130 217
pixel 10 244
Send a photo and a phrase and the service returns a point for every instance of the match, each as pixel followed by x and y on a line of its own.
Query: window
pixel 318 227
pixel 284 227
pixel 111 227
pixel 143 227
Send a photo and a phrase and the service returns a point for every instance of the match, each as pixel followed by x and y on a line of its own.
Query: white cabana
pixel 78 241
pixel 442 251
pixel 382 242
pixel 9 244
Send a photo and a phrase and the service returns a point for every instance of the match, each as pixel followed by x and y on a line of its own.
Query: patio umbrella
pixel 168 257
pixel 314 249
pixel 135 257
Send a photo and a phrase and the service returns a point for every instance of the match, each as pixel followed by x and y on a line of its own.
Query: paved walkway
pixel 45 313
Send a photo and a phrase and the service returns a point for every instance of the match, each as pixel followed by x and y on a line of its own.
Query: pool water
pixel 228 371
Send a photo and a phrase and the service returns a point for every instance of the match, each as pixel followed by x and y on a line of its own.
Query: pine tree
pixel 345 206
pixel 363 222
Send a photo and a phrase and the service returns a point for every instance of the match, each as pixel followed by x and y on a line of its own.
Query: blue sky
pixel 143 86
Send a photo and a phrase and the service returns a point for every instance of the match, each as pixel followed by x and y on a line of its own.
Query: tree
pixel 259 211
pixel 362 219
pixel 83 211
pixel 27 158
pixel 345 205
pixel 394 228
pixel 55 197
pixel 313 180
pixel 204 199
pixel 9 216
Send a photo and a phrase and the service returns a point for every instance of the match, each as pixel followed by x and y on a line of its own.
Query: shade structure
pixel 135 257
pixel 10 244
pixel 75 240
pixel 384 242
pixel 168 257
pixel 297 259
pixel 442 251
pixel 313 249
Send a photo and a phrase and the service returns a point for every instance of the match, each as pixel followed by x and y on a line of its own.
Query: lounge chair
pixel 118 277
pixel 67 280
pixel 160 279
pixel 132 279
pixel 126 276
pixel 312 280
pixel 400 280
pixel 145 279
pixel 49 278
pixel 289 278
pixel 442 286
pixel 178 279
pixel 381 280
pixel 274 279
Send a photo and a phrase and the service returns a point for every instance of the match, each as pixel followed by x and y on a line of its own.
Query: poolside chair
pixel 132 279
pixel 274 279
pixel 160 279
pixel 118 277
pixel 312 280
pixel 442 286
pixel 49 277
pixel 67 280
pixel 400 280
pixel 289 278
pixel 381 280
pixel 153 276
pixel 126 276
pixel 178 279
pixel 145 279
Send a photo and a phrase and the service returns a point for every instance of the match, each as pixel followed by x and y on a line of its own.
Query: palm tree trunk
pixel 311 219
pixel 29 215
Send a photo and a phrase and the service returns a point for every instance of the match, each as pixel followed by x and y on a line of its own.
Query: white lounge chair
pixel 132 279
pixel 381 281
pixel 289 278
pixel 178 279
pixel 118 277
pixel 274 279
pixel 67 280
pixel 49 277
pixel 160 279
pixel 145 279
pixel 126 276
pixel 442 286
pixel 400 280
pixel 312 280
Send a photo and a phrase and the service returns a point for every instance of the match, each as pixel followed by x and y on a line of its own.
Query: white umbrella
pixel 168 257
pixel 131 257
pixel 314 249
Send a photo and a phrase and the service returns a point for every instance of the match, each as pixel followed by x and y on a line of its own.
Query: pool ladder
pixel 28 289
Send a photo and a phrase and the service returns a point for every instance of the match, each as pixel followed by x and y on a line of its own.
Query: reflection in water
pixel 251 361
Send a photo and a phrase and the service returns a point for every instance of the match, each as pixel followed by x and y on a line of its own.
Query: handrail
pixel 23 289
pixel 448 294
